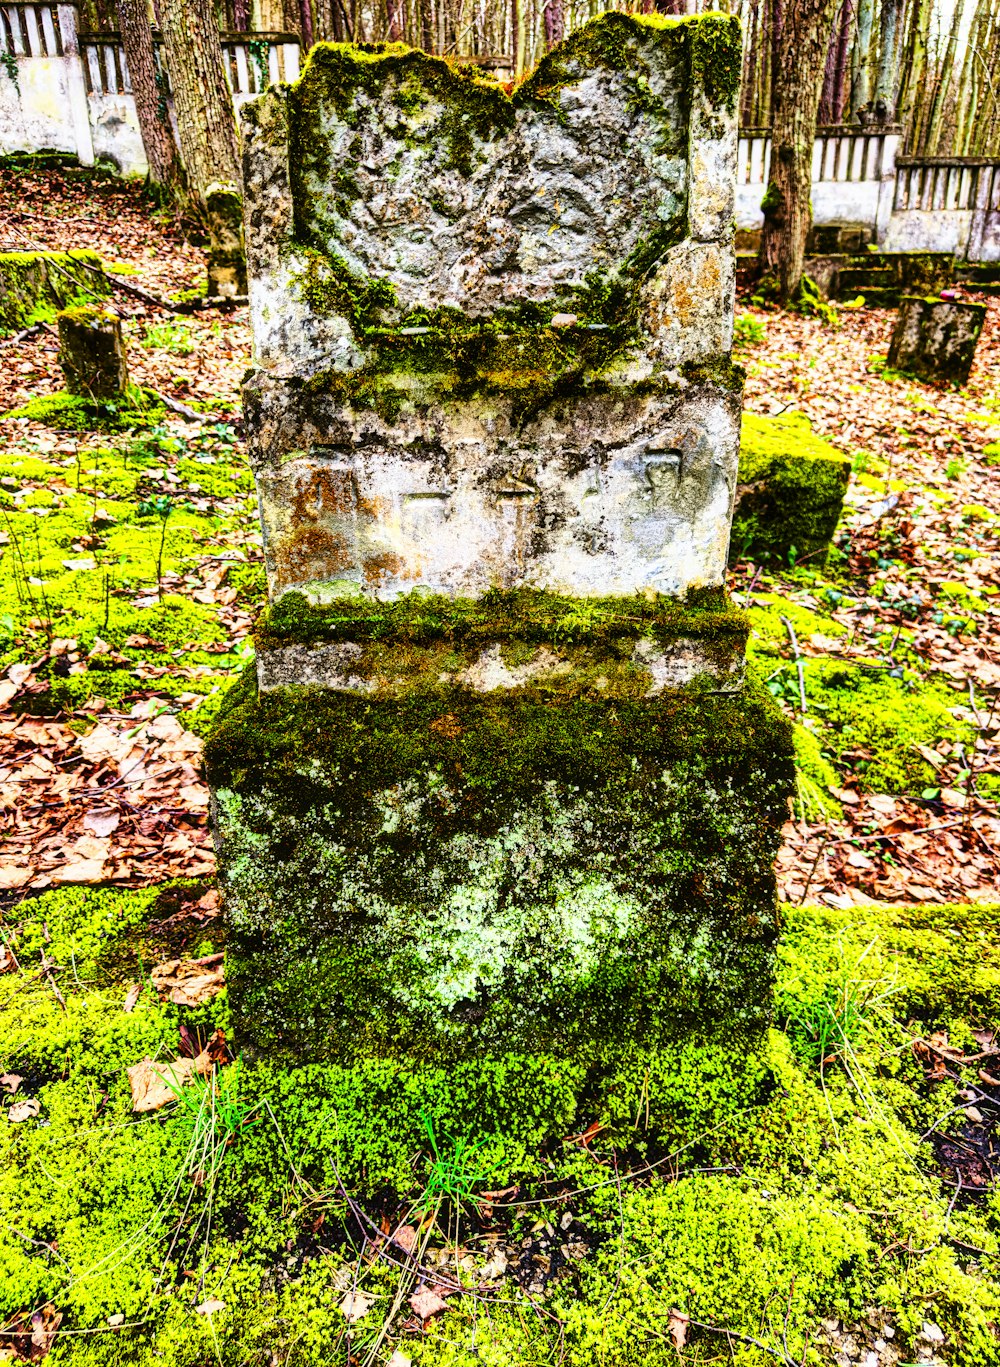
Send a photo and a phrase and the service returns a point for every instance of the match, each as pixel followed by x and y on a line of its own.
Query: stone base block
pixel 935 339
pixel 438 874
pixel 790 492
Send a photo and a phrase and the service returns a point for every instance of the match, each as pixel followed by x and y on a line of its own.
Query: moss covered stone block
pixel 449 874
pixel 790 492
pixel 936 339
pixel 499 792
pixel 227 261
pixel 92 352
pixel 34 286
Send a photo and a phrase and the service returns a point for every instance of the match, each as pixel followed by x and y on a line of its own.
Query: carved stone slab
pixel 492 333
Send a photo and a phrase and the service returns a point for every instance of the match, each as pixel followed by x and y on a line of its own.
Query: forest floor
pixel 130 576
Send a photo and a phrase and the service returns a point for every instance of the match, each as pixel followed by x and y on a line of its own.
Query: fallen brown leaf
pixel 427 1303
pixel 10 1082
pixel 678 1323
pixel 405 1238
pixel 24 1110
pixel 131 997
pixel 190 982
pixel 355 1306
pixel 30 1335
pixel 155 1085
pixel 101 823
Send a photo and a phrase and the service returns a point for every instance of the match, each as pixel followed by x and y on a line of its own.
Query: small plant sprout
pixel 748 331
pixel 161 506
pixel 456 1167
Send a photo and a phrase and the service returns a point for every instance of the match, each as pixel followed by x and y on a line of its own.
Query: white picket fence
pixel 949 204
pixel 72 92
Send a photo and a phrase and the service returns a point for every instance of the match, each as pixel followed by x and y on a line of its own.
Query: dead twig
pixel 777 1353
pixel 47 967
pixel 803 705
pixel 191 414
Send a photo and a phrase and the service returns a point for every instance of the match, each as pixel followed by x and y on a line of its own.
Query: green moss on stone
pixel 529 615
pixel 791 490
pixel 717 55
pixel 34 286
pixel 451 875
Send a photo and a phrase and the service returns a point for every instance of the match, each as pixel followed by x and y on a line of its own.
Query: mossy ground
pixel 85 533
pixel 869 719
pixel 759 1197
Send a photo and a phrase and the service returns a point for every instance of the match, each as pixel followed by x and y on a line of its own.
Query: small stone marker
pixel 92 352
pixel 227 263
pixel 935 339
pixel 498 787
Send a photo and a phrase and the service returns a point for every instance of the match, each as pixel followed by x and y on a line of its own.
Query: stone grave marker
pixel 499 786
pixel 936 339
pixel 92 352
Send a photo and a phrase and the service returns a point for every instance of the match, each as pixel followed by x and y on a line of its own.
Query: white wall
pixel 73 92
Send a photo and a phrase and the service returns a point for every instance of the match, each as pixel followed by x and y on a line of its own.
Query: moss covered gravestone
pixel 790 490
pixel 500 794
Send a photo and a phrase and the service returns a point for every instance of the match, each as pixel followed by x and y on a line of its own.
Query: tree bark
pixel 843 62
pixel 861 93
pixel 944 84
pixel 887 82
pixel 911 103
pixel 206 121
pixel 166 173
pixel 306 18
pixel 800 63
pixel 826 112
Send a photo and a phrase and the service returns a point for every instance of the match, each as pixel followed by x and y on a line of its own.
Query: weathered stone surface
pixel 936 338
pixel 500 787
pixel 416 418
pixel 92 352
pixel 790 493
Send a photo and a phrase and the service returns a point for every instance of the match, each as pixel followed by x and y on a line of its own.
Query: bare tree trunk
pixel 861 93
pixel 843 62
pixel 206 124
pixel 554 22
pixel 306 19
pixel 886 85
pixel 795 91
pixel 825 113
pixel 934 123
pixel 910 103
pixel 750 61
pixel 166 173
